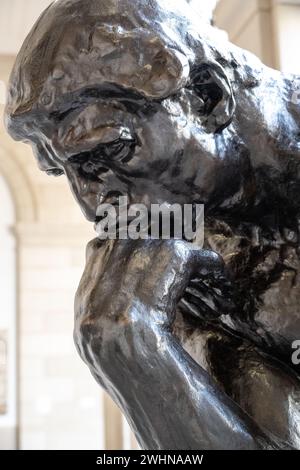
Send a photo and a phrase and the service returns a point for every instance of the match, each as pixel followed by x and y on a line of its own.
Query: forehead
pixel 64 55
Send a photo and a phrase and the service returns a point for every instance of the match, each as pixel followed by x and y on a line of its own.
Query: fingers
pixel 197 308
pixel 201 297
pixel 208 294
pixel 205 303
pixel 206 262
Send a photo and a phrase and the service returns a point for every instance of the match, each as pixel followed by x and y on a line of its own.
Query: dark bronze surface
pixel 193 345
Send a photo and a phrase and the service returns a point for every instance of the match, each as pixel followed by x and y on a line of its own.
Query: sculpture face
pixel 122 111
pixel 150 151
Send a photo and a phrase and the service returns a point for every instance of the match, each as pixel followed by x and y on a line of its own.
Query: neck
pixel 267 121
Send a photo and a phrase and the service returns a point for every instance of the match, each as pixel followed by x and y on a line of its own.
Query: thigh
pixel 262 386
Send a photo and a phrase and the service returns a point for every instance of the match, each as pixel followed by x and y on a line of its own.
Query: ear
pixel 212 96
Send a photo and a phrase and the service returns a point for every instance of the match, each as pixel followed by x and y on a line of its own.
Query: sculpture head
pixel 128 97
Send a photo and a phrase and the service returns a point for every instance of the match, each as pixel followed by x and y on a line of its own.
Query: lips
pixel 112 197
pixel 119 217
pixel 118 226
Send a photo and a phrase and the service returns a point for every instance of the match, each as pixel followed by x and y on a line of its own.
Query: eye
pixel 54 172
pixel 91 167
pixel 121 151
pixel 92 164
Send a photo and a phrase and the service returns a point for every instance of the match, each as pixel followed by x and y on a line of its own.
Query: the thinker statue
pixel 139 98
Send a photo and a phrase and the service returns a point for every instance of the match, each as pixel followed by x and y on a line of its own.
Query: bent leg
pixel 267 390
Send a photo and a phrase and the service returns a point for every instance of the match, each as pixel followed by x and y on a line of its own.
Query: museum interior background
pixel 48 400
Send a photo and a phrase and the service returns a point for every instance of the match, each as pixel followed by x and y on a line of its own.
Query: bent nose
pixel 87 193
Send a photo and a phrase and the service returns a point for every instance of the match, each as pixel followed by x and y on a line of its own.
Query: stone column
pixel 268 28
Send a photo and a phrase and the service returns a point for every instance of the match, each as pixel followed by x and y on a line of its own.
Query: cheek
pixel 173 158
pixel 161 136
pixel 201 164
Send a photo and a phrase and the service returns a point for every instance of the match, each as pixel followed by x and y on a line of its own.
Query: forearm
pixel 169 400
pixel 123 332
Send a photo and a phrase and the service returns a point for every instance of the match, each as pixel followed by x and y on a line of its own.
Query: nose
pixel 87 193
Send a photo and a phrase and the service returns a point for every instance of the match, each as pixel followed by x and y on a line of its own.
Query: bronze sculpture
pixel 193 345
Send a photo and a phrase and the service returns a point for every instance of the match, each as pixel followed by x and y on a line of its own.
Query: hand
pixel 152 273
pixel 125 306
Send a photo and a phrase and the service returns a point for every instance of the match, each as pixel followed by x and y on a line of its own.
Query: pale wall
pixel 268 28
pixel 287 29
pixel 8 421
pixel 249 24
pixel 59 403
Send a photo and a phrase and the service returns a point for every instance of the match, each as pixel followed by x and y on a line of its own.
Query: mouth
pixel 117 219
pixel 115 230
pixel 112 217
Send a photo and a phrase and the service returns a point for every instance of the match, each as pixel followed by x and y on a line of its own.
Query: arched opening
pixel 8 375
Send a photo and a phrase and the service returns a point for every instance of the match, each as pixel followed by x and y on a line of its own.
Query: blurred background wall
pixel 48 400
pixel 268 28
